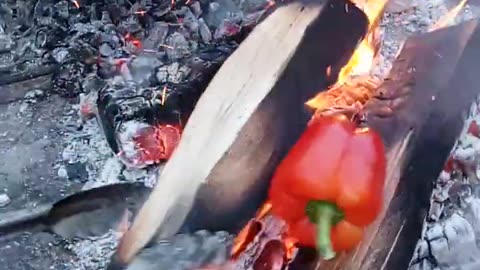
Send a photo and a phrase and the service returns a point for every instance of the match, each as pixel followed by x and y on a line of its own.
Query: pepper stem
pixel 325 215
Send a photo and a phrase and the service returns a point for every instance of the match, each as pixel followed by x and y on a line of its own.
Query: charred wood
pixel 33 73
pixel 85 214
pixel 420 113
pixel 246 120
pixel 19 91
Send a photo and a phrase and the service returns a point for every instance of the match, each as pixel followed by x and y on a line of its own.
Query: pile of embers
pixel 139 66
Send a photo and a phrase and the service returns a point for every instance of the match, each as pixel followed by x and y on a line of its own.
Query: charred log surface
pixel 85 214
pixel 250 115
pixel 184 251
pixel 28 75
pixel 18 91
pixel 92 213
pixel 420 112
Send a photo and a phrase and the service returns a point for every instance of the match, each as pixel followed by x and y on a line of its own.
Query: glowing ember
pixel 166 46
pixel 164 95
pixel 290 246
pixel 249 231
pixel 350 96
pixel 140 12
pixel 245 237
pixel 271 3
pixel 88 105
pixel 129 38
pixel 75 3
pixel 154 144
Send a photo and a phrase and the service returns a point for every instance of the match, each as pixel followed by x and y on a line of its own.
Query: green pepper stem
pixel 324 229
pixel 325 215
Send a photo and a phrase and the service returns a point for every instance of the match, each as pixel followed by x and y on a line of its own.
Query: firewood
pixel 28 74
pixel 250 115
pixel 425 98
pixel 89 213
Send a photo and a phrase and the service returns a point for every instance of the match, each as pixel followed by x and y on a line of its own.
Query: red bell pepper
pixel 330 184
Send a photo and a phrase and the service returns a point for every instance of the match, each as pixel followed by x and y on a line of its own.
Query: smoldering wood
pixel 17 91
pixel 250 115
pixel 85 214
pixel 420 113
pixel 32 73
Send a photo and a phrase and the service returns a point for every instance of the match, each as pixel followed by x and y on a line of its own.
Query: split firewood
pixel 420 112
pixel 250 115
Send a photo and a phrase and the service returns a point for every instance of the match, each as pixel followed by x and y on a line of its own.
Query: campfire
pixel 220 96
pixel 354 93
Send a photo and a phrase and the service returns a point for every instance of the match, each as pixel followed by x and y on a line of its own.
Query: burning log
pixel 420 113
pixel 250 115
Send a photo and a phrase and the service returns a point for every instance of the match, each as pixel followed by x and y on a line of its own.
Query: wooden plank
pixel 247 119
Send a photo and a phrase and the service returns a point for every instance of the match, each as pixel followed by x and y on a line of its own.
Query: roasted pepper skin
pixel 330 184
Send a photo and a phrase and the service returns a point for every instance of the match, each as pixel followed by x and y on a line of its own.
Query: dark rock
pixel 77 171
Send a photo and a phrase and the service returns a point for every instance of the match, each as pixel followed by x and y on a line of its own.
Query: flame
pixel 166 46
pixel 359 64
pixel 140 12
pixel 290 247
pixel 449 17
pixel 244 237
pixel 76 4
pixel 362 59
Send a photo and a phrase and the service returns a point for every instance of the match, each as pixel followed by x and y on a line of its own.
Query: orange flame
pixel 363 58
pixel 361 61
pixel 290 246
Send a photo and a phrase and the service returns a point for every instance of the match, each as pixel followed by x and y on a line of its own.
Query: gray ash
pixel 143 61
pixel 132 65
